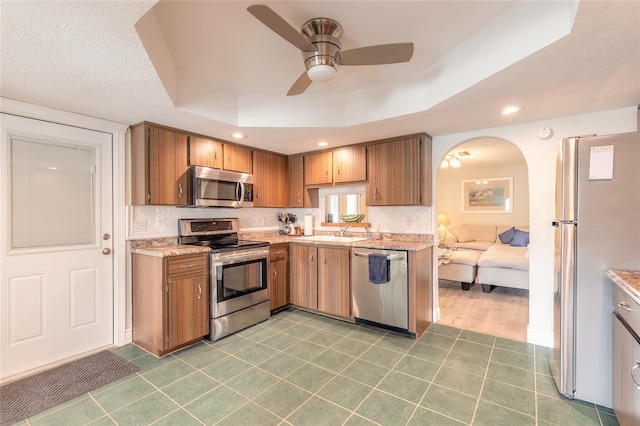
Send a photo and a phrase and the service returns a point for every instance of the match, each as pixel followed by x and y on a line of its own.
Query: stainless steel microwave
pixel 219 188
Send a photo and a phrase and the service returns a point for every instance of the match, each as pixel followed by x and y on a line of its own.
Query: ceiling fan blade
pixel 300 85
pixel 281 27
pixel 377 55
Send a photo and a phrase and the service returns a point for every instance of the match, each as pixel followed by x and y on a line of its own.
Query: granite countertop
pixel 170 250
pixel 628 281
pixel 373 244
pixel 163 247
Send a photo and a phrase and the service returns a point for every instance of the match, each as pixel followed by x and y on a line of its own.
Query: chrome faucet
pixel 366 233
pixel 342 231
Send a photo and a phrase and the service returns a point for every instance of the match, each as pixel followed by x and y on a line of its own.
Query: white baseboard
pixel 538 337
pixel 436 314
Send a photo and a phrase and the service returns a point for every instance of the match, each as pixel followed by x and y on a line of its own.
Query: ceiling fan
pixel 319 41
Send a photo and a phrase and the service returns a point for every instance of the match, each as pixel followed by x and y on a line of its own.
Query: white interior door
pixel 56 266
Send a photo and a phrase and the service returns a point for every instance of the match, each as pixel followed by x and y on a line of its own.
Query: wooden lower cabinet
pixel 626 394
pixel 320 279
pixel 279 276
pixel 170 301
pixel 304 276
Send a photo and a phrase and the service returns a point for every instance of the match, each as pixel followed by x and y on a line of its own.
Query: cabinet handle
pixel 325 260
pixel 278 252
pixel 258 196
pixel 311 258
pixel 633 370
pixel 275 274
pixel 191 265
pixel 199 291
pixel 624 306
pixel 179 190
pixel 338 171
pixel 215 155
pixel 229 159
pixel 299 196
pixel 326 173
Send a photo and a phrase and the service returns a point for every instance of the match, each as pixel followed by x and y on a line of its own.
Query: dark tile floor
pixel 304 369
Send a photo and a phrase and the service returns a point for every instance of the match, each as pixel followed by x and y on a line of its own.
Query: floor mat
pixel 34 394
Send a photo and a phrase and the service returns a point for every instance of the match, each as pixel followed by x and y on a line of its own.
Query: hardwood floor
pixel 504 312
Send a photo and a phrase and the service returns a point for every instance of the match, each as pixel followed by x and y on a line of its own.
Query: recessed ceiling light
pixel 323 143
pixel 238 135
pixel 510 110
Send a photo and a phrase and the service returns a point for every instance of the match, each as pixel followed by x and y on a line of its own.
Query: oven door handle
pixel 232 259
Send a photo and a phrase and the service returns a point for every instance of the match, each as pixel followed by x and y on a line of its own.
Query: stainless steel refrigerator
pixel 597 228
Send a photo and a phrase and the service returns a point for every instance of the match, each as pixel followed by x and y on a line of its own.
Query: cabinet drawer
pixel 627 308
pixel 279 253
pixel 188 265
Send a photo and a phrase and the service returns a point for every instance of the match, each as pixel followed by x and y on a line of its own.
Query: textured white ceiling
pixel 230 71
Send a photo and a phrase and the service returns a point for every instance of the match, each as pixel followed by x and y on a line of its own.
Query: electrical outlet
pixel 139 225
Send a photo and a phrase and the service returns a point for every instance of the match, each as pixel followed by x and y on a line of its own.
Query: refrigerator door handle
pixel 557 223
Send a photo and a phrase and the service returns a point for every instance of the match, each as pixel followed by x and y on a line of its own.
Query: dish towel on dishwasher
pixel 378 269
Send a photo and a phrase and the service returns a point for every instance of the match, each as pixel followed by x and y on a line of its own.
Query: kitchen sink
pixel 330 239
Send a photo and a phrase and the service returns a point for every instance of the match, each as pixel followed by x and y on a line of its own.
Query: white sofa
pixel 498 263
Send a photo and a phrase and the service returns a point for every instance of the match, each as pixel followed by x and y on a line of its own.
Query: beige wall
pixel 449 194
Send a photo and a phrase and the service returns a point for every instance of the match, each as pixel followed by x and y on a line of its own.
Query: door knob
pixel 106 236
pixel 106 251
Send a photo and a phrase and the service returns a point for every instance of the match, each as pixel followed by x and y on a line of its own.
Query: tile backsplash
pixel 162 221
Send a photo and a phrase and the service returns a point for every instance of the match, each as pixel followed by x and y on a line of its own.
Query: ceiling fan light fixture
pixel 321 73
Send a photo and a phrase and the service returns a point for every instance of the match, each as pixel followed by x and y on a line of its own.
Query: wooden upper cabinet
pixel 158 166
pixel 269 180
pixel 318 168
pixel 350 164
pixel 205 152
pixel 237 158
pixel 398 172
pixel 295 177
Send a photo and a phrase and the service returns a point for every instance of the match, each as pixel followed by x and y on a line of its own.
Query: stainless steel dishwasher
pixel 382 305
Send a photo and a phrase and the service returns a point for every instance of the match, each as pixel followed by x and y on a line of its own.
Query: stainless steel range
pixel 237 276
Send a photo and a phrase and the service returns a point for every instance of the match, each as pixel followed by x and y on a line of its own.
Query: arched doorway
pixel 503 311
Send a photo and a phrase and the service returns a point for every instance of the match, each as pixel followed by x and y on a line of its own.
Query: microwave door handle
pixel 240 192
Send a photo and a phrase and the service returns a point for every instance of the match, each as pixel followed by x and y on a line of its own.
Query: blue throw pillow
pixel 521 239
pixel 507 236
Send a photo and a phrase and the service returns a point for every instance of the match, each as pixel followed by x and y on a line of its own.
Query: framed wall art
pixel 487 195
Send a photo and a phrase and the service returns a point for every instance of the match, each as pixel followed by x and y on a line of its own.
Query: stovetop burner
pixel 218 234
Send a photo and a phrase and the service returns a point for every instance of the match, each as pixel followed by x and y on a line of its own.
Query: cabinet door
pixel 205 152
pixel 187 303
pixel 279 290
pixel 350 164
pixel 334 294
pixel 269 180
pixel 304 276
pixel 626 395
pixel 395 176
pixel 296 182
pixel 237 158
pixel 279 276
pixel 318 168
pixel 167 167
